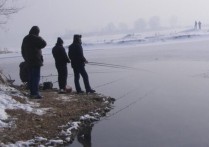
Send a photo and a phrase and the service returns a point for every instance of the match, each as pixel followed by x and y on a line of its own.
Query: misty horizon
pixel 63 18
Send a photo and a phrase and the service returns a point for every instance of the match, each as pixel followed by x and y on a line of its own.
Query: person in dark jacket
pixel 61 60
pixel 78 61
pixel 32 54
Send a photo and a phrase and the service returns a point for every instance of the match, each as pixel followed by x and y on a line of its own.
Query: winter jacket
pixel 31 49
pixel 76 56
pixel 60 55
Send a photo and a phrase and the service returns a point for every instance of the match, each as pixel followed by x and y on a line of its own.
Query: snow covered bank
pixel 54 120
pixel 8 100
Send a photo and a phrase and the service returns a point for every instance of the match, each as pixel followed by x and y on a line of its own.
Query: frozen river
pixel 162 101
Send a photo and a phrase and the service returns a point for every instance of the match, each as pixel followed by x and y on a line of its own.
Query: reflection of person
pixel 84 135
pixel 195 25
pixel 78 64
pixel 61 60
pixel 199 24
pixel 32 54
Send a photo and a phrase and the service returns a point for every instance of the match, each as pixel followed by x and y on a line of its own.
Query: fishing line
pixel 127 93
pixel 130 104
pixel 102 85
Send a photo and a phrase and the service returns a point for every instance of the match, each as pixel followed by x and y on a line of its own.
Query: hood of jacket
pixel 34 30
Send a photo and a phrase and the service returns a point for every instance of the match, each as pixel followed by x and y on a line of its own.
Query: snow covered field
pixel 169 87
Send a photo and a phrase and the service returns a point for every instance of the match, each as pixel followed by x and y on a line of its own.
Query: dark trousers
pixel 80 70
pixel 62 76
pixel 34 79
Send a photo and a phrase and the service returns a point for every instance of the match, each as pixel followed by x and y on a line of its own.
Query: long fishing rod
pixel 110 65
pixel 101 72
pixel 19 56
pixel 10 57
pixel 51 75
pixel 117 66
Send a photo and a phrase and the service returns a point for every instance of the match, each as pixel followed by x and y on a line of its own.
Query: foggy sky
pixel 55 17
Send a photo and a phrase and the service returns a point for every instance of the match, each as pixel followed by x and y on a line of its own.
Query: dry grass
pixel 64 108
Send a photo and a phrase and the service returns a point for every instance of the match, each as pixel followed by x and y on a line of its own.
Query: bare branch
pixel 2 3
pixel 6 10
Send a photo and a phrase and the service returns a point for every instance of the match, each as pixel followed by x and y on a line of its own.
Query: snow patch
pixel 7 102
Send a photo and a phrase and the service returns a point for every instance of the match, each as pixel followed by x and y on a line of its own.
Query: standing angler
pixel 61 60
pixel 32 54
pixel 78 64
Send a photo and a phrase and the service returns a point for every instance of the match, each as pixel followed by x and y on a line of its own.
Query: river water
pixel 162 99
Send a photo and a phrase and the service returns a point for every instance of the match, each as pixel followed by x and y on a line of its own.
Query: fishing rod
pixel 18 56
pixel 10 57
pixel 51 75
pixel 117 66
pixel 110 65
pixel 101 72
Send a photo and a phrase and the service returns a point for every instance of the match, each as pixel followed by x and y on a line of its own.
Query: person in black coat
pixel 78 61
pixel 32 54
pixel 61 60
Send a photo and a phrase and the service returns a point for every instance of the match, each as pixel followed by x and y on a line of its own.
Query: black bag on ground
pixel 47 85
pixel 23 72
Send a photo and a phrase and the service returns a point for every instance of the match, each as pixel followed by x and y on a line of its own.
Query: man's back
pixel 75 54
pixel 60 55
pixel 31 50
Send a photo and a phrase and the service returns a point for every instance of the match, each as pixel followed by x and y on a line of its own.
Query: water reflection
pixel 84 135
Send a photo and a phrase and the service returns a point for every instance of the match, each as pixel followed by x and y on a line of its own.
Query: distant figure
pixel 195 25
pixel 61 60
pixel 78 64
pixel 32 54
pixel 199 25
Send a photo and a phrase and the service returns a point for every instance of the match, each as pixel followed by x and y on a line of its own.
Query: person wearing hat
pixel 61 60
pixel 78 62
pixel 32 54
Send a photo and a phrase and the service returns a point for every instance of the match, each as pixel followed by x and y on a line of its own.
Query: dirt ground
pixel 63 108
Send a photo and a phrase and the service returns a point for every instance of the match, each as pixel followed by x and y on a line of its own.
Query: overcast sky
pixel 55 17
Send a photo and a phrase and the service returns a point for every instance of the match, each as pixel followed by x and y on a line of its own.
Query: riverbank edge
pixel 86 109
